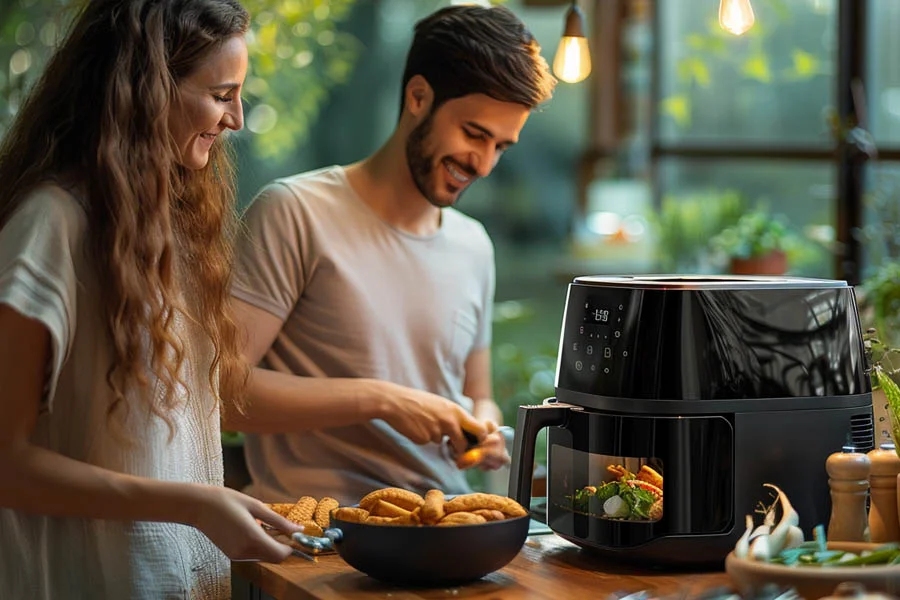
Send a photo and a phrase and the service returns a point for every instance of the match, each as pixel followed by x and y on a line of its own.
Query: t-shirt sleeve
pixel 37 271
pixel 485 321
pixel 269 261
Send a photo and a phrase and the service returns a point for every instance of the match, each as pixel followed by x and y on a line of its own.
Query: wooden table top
pixel 548 567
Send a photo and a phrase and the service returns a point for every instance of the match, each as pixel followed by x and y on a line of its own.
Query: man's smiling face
pixel 459 142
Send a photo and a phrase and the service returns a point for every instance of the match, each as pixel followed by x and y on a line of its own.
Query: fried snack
pixel 351 514
pixel 370 520
pixel 303 510
pixel 323 511
pixel 656 510
pixel 488 514
pixel 396 496
pixel 433 509
pixel 282 508
pixel 461 518
pixel 650 476
pixel 618 471
pixel 470 502
pixel 312 528
pixel 387 509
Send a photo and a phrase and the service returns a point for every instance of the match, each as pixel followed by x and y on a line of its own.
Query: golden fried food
pixel 385 520
pixel 323 511
pixel 351 514
pixel 461 518
pixel 312 528
pixel 618 471
pixel 489 514
pixel 470 502
pixel 656 510
pixel 303 510
pixel 433 509
pixel 282 508
pixel 399 497
pixel 383 508
pixel 650 476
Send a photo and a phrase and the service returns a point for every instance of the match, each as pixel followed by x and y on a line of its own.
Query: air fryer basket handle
pixel 529 421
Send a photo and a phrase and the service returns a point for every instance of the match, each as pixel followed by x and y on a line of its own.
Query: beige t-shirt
pixel 45 274
pixel 360 298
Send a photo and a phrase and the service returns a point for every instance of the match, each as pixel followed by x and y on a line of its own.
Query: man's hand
pixel 490 454
pixel 425 417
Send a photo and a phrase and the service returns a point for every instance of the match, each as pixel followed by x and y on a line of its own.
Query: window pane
pixel 880 235
pixel 701 198
pixel 775 83
pixel 882 52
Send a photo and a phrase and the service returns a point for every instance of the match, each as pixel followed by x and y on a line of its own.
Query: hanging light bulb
pixel 736 16
pixel 573 56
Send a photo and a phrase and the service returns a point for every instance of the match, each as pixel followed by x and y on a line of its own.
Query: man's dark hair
pixel 462 50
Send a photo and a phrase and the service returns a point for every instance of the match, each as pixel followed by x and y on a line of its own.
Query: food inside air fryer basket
pixel 626 496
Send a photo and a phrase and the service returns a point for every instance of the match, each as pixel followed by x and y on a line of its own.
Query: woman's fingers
pixel 270 517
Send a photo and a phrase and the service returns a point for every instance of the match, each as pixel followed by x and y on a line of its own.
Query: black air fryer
pixel 678 397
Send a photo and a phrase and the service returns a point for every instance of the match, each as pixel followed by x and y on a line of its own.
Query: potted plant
pixel 756 245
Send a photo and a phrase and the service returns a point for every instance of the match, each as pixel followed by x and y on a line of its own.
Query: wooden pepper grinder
pixel 848 473
pixel 884 526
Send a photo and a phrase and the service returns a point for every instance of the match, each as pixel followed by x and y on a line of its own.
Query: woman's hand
pixel 229 519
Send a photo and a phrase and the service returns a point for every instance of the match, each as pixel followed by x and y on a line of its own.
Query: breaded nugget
pixel 351 514
pixel 282 508
pixel 323 511
pixel 312 528
pixel 433 508
pixel 461 518
pixel 470 502
pixel 303 510
pixel 397 496
pixel 383 508
pixel 489 515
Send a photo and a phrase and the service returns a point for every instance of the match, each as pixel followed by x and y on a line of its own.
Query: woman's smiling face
pixel 209 102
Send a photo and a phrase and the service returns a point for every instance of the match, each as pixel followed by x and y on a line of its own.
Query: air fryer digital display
pixel 619 488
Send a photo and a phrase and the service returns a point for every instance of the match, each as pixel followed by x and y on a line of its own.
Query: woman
pixel 115 339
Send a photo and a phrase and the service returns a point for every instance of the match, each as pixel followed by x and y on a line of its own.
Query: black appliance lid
pixel 708 282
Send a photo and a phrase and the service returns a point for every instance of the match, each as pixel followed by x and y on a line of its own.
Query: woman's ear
pixel 418 96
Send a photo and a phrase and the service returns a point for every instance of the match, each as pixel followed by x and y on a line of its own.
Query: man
pixel 366 299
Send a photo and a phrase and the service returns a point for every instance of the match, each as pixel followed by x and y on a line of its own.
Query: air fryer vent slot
pixel 862 432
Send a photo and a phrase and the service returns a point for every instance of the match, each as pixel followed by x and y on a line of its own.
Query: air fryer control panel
pixel 596 343
pixel 597 338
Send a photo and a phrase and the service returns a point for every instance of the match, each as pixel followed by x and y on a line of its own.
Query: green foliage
pixel 297 55
pixel 883 362
pixel 685 224
pixel 710 55
pixel 755 234
pixel 881 300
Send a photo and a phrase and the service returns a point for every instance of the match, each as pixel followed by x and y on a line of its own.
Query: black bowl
pixel 430 555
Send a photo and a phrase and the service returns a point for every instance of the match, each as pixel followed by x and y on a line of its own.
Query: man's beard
pixel 421 164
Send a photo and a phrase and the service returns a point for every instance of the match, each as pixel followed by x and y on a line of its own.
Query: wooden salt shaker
pixel 848 473
pixel 884 526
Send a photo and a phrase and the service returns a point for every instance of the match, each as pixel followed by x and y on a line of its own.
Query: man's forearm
pixel 282 403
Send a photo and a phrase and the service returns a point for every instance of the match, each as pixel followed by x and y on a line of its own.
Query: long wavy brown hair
pixel 98 120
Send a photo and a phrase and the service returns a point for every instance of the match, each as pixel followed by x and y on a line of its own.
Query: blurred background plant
pixel 879 292
pixel 756 233
pixel 684 225
pixel 298 55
